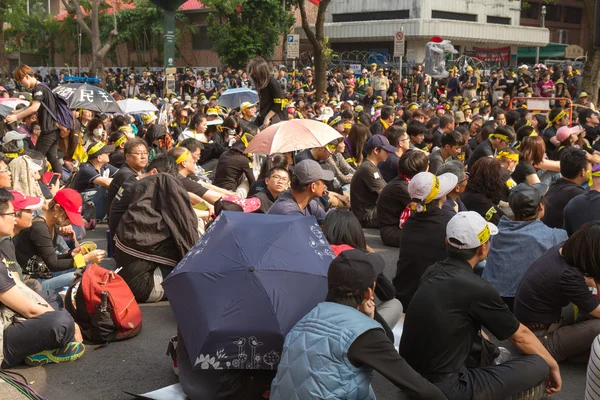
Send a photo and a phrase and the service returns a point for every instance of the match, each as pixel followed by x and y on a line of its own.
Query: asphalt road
pixel 140 365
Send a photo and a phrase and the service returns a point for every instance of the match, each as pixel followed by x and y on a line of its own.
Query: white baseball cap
pixel 468 230
pixel 427 187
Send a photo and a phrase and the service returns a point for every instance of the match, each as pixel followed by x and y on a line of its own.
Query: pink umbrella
pixel 297 134
pixel 12 103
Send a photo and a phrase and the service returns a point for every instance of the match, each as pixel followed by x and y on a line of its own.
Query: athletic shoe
pixel 71 352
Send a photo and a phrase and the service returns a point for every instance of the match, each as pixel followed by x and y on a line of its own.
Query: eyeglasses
pixel 14 214
pixel 280 178
pixel 466 177
pixel 135 154
pixel 4 171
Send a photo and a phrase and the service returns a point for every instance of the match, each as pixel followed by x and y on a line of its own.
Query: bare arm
pixel 532 179
pixel 217 189
pixel 549 165
pixel 16 300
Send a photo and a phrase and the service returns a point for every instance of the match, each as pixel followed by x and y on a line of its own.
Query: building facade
pixel 473 26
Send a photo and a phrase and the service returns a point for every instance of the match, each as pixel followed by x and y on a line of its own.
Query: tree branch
pixel 111 36
pixel 309 33
pixel 320 23
pixel 74 7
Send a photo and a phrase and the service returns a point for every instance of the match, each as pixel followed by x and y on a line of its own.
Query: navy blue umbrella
pixel 233 98
pixel 244 285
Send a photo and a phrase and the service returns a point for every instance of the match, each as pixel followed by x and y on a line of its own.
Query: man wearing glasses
pixel 136 158
pixel 277 182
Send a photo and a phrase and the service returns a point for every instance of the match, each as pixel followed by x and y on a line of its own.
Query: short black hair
pixel 572 161
pixel 446 120
pixel 132 144
pixel 512 117
pixel 276 169
pixel 5 198
pixel 191 144
pixel 461 254
pixel 164 164
pixel 582 249
pixel 342 227
pixel 412 162
pixel 387 112
pixel 295 184
pixel 416 128
pixel 347 114
pixel 394 133
pixel 453 138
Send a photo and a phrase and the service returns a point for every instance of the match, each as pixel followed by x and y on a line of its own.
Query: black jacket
pixel 159 228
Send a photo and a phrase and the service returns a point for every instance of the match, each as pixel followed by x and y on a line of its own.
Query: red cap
pixel 70 201
pixel 22 202
pixel 436 39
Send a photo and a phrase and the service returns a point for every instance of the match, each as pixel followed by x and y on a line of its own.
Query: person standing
pixel 271 98
pixel 44 104
pixel 381 84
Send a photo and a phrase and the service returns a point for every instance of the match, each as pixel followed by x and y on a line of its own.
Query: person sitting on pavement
pixel 485 189
pixel 159 207
pixel 446 316
pixel 454 204
pixel 367 181
pixel 426 220
pixel 385 120
pixel 343 232
pixel 93 179
pixel 233 166
pixel 353 343
pixel 508 259
pixel 584 207
pixel 501 138
pixel 452 143
pixel 277 181
pixel 36 246
pixel 185 162
pixel 398 138
pixel 394 197
pixel 277 160
pixel 136 158
pixel 574 169
pixel 342 170
pixel 31 330
pixel 306 186
pixel 248 112
pixel 196 129
pixel 555 283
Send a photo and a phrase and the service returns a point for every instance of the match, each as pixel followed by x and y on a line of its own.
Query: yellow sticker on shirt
pixel 490 213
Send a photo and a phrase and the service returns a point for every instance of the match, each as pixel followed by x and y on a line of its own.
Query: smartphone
pixel 55 178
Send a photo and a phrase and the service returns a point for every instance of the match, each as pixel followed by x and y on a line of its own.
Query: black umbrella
pixel 88 97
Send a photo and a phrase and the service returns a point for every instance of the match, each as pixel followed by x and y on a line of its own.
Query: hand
pixel 95 256
pixel 266 122
pixel 67 231
pixel 553 381
pixel 590 282
pixel 10 118
pixel 368 308
pixel 55 188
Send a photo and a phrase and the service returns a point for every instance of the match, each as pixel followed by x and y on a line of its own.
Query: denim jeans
pixel 58 280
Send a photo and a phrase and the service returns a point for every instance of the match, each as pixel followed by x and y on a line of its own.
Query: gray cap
pixel 309 171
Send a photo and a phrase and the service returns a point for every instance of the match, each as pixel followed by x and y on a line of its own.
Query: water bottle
pixel 104 303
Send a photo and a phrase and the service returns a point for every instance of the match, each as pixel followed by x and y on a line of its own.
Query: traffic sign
pixel 293 46
pixel 399 44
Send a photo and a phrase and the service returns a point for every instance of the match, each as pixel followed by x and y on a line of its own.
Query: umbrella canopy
pixel 5 110
pixel 233 98
pixel 132 106
pixel 244 285
pixel 297 134
pixel 12 103
pixel 87 97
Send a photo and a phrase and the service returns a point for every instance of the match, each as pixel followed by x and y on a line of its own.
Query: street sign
pixel 399 44
pixel 293 46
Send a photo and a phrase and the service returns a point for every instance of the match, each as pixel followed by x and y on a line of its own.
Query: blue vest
pixel 314 363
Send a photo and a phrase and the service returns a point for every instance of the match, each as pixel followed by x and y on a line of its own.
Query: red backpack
pixel 103 305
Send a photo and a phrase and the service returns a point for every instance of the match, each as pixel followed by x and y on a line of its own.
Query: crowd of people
pixel 492 206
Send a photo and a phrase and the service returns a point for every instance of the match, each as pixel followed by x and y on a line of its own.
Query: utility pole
pixel 537 49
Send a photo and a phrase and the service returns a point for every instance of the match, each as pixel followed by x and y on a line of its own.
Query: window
pixel 453 16
pixel 200 40
pixel 498 20
pixel 573 15
pixel 531 12
pixel 553 13
pixel 371 16
pixel 563 36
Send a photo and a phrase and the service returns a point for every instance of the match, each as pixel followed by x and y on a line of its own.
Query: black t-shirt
pixel 523 169
pixel 557 198
pixel 548 134
pixel 549 284
pixel 416 254
pixel 44 95
pixel 120 177
pixel 117 159
pixel 120 204
pixel 389 167
pixel 84 180
pixel 8 265
pixel 192 186
pixel 366 183
pixel 271 99
pixel 445 317
pixel 257 186
pixel 37 240
pixel 266 200
pixel 485 149
pixel 231 168
pixel 393 199
pixel 591 133
pixel 581 209
pixel 482 205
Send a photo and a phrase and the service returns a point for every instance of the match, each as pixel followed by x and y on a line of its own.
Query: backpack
pixel 102 304
pixel 63 116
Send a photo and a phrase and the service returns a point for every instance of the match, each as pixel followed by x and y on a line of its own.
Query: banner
pixel 494 55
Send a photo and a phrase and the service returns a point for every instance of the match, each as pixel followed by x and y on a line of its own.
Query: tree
pixel 318 41
pixel 9 9
pixel 591 72
pixel 242 29
pixel 91 29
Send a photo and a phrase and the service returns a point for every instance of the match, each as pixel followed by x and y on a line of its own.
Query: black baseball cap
pixel 525 199
pixel 379 141
pixel 353 271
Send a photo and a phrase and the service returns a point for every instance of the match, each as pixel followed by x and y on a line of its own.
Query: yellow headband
pixel 500 136
pixel 559 117
pixel 528 123
pixel 335 121
pixel 510 156
pixel 120 141
pixel 186 155
pixel 435 189
pixel 95 148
